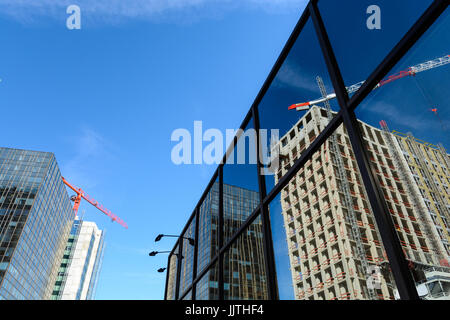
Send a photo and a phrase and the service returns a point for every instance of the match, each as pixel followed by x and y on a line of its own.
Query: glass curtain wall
pixel 342 190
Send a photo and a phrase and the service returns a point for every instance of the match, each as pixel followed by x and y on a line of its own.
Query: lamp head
pixel 153 253
pixel 161 269
pixel 159 237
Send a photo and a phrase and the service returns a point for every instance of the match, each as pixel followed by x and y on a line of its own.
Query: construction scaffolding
pixel 440 206
pixel 348 201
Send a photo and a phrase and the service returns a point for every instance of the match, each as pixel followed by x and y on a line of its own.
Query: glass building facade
pixel 352 177
pixel 35 220
pixel 81 263
pixel 244 269
pixel 66 259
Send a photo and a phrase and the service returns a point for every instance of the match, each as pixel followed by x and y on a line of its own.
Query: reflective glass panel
pixel 301 82
pixel 240 182
pixel 188 296
pixel 244 266
pixel 187 261
pixel 363 32
pixel 208 286
pixel 172 276
pixel 406 125
pixel 208 227
pixel 326 242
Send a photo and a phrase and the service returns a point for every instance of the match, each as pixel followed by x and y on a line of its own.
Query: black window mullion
pixel 221 232
pixel 202 274
pixel 194 268
pixel 402 47
pixel 397 260
pixel 167 277
pixel 179 258
pixel 269 259
pixel 398 263
pixel 304 157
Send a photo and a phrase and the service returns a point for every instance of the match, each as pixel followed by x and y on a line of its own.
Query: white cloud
pixel 27 10
pixel 293 75
pixel 89 149
pixel 290 75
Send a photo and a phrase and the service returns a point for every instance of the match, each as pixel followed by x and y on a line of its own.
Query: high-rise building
pixel 35 220
pixel 332 235
pixel 81 262
pixel 428 167
pixel 244 266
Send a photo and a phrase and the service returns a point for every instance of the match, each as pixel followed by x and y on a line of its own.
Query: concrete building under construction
pixel 429 166
pixel 333 241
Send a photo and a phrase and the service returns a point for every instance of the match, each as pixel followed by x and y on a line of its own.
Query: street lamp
pixel 154 253
pixel 161 269
pixel 159 237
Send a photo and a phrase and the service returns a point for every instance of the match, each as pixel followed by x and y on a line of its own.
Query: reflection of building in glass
pixel 244 264
pixel 208 242
pixel 187 263
pixel 81 262
pixel 35 220
pixel 432 282
pixel 435 284
pixel 172 275
pixel 208 238
pixel 429 169
pixel 331 231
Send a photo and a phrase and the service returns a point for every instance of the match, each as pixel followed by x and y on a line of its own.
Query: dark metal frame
pixel 346 116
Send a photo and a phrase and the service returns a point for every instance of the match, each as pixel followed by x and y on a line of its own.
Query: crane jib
pixel 411 71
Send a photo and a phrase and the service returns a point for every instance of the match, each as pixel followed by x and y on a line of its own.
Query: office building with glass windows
pixel 35 220
pixel 81 263
pixel 377 228
pixel 244 274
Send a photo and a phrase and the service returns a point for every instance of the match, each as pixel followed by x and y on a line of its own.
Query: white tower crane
pixel 411 71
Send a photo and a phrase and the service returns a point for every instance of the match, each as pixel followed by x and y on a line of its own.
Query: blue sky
pixel 105 99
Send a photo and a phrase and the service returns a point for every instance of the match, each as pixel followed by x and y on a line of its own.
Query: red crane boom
pixel 82 195
pixel 411 71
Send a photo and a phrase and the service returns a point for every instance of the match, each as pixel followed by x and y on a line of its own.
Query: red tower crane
pixel 411 71
pixel 82 195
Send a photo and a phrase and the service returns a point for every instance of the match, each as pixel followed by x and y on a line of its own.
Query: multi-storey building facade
pixel 35 221
pixel 244 263
pixel 429 166
pixel 244 269
pixel 81 262
pixel 331 231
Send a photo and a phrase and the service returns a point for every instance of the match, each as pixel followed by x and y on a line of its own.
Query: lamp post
pixel 159 237
pixel 154 253
pixel 178 255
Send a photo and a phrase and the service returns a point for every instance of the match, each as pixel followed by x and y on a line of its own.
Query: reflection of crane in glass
pixel 435 110
pixel 411 71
